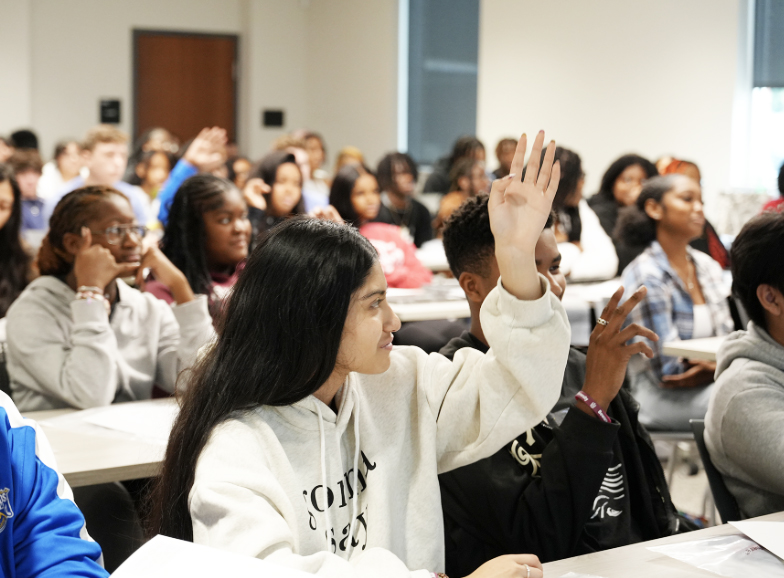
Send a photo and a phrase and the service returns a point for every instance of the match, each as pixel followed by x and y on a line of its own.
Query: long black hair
pixel 184 239
pixel 619 165
pixel 635 227
pixel 14 260
pixel 267 170
pixel 340 192
pixel 391 165
pixel 278 344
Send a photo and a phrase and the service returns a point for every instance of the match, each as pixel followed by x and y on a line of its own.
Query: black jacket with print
pixel 558 490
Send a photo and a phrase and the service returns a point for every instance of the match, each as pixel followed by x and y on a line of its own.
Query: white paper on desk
pixel 769 535
pixel 149 420
pixel 164 557
pixel 575 575
pixel 731 556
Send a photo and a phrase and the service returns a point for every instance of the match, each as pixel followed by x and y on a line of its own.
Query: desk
pixel 636 560
pixel 443 299
pixel 88 454
pixel 705 348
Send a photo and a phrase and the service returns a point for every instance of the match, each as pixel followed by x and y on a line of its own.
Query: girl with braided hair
pixel 102 340
pixel 207 238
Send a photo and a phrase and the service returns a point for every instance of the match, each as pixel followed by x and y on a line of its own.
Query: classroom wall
pixel 352 74
pixel 15 81
pixel 610 77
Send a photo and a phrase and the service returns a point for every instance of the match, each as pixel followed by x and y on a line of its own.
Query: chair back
pixel 724 500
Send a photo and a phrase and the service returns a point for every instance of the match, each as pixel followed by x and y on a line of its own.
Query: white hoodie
pixel 259 482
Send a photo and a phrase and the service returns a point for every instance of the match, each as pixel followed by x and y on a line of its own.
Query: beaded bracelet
pixel 438 575
pixel 88 295
pixel 595 407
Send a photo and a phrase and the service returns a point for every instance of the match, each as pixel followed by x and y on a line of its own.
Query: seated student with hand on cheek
pixel 79 336
pixel 574 483
pixel 303 391
pixel 356 197
pixel 207 238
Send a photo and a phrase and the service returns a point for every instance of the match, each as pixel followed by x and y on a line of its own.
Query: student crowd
pixel 304 437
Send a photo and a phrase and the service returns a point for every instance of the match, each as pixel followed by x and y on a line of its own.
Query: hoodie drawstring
pixel 327 517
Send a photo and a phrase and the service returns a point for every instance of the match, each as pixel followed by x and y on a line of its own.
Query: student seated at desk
pixel 574 483
pixel 281 193
pixel 42 532
pixel 79 336
pixel 356 196
pixel 207 238
pixel 686 299
pixel 308 440
pixel 743 425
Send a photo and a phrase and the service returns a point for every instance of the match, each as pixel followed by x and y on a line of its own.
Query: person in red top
pixel 777 205
pixel 356 196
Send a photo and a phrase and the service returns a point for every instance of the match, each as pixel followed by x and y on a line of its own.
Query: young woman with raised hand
pixel 306 439
pixel 79 336
pixel 207 238
pixel 686 299
pixel 15 262
pixel 282 191
pixel 356 196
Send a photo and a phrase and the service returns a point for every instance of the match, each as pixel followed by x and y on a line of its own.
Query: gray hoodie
pixel 64 352
pixel 744 428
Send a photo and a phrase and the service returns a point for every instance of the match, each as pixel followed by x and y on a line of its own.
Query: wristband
pixel 89 289
pixel 595 407
pixel 438 575
pixel 96 295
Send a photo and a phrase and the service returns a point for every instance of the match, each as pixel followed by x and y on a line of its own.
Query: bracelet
pixel 595 407
pixel 438 575
pixel 89 289
pixel 97 295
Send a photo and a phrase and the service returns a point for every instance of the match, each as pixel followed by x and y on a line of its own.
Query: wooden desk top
pixel 637 561
pixel 705 348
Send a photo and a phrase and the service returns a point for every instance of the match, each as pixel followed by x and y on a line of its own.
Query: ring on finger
pixel 602 321
pixel 528 570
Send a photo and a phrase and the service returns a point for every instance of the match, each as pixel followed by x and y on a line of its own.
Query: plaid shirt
pixel 668 308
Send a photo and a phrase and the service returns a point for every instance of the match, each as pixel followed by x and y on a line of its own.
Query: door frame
pixel 139 32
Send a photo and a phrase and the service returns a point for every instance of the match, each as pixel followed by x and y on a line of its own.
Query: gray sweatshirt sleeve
pixel 184 330
pixel 82 375
pixel 751 431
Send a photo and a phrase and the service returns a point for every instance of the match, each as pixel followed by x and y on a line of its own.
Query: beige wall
pixel 611 77
pixel 15 76
pixel 352 74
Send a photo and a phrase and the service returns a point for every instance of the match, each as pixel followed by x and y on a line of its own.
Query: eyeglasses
pixel 117 234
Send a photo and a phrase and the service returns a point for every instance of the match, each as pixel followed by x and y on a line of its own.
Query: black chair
pixel 724 500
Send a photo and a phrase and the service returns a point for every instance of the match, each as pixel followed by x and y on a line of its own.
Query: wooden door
pixel 184 82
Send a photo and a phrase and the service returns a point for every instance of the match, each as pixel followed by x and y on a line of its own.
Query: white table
pixel 705 348
pixel 444 299
pixel 87 454
pixel 637 561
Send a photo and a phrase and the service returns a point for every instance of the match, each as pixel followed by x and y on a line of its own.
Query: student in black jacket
pixel 573 484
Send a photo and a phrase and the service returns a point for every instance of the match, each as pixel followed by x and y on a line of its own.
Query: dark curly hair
pixel 756 260
pixel 468 239
pixel 635 227
pixel 391 164
pixel 618 166
pixel 14 260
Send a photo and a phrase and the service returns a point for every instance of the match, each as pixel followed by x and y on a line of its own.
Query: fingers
pixel 547 166
pixel 640 347
pixel 530 559
pixel 87 239
pixel 635 330
pixel 555 178
pixel 533 161
pixel 619 315
pixel 127 269
pixel 611 306
pixel 518 162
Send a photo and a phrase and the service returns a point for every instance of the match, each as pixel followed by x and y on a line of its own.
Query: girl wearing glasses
pixel 79 336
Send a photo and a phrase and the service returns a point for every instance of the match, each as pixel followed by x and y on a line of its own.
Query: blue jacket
pixel 42 532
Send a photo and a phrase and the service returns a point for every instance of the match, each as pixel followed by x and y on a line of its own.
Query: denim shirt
pixel 668 308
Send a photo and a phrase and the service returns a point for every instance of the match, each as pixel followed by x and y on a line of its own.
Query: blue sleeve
pixel 182 171
pixel 48 528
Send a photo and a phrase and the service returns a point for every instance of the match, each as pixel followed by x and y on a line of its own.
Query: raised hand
pixel 609 351
pixel 254 192
pixel 165 272
pixel 518 212
pixel 328 213
pixel 95 266
pixel 208 150
pixel 510 566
